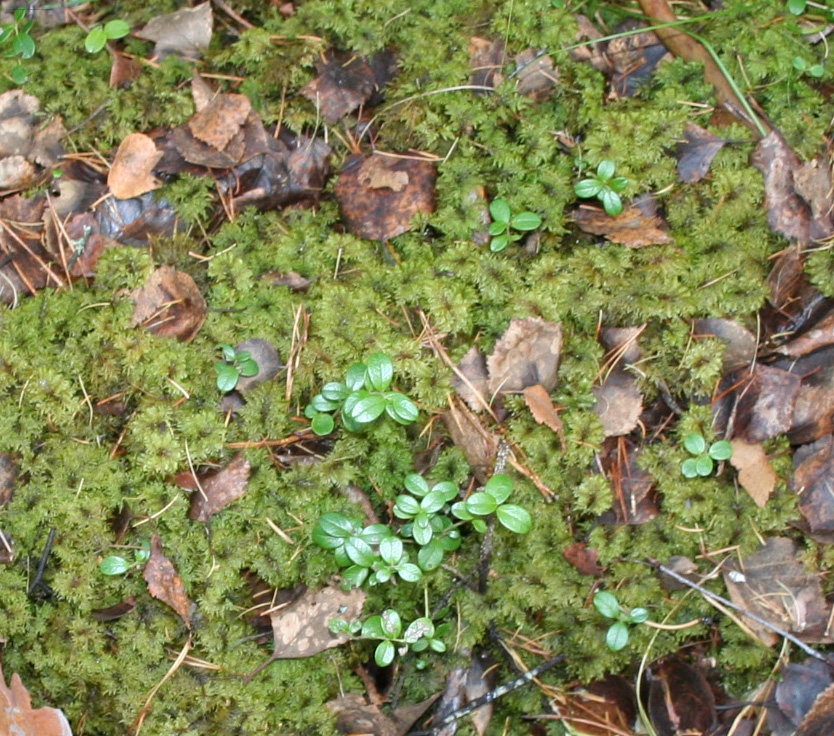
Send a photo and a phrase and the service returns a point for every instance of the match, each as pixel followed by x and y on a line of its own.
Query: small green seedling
pixel 504 222
pixel 116 565
pixel 98 36
pixel 803 67
pixel 605 187
pixel 234 365
pixel 492 500
pixel 419 635
pixel 16 39
pixel 362 399
pixel 704 457
pixel 797 7
pixel 617 636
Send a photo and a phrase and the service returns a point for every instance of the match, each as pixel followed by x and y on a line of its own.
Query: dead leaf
pixel 17 718
pixel 755 473
pixel 697 152
pixel 773 584
pixel 680 699
pixel 602 708
pixel 526 354
pixel 124 70
pixel 135 221
pixel 267 358
pixel 221 120
pixel 117 611
pixel 630 228
pixel 186 32
pixel 788 212
pixel 378 208
pixel 619 403
pixel 635 500
pixel 344 82
pixel 355 716
pixel 798 687
pixel 544 412
pixel 593 53
pixel 585 560
pixel 479 446
pixel 819 335
pixel 474 390
pixel 131 174
pixel 820 719
pixel 765 401
pixel 464 685
pixel 536 75
pixel 215 489
pixel 813 479
pixel 486 59
pixel 739 343
pixel 170 305
pixel 291 279
pixel 635 56
pixel 165 584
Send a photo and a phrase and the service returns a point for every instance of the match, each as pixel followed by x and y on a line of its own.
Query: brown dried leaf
pixel 544 412
pixel 355 715
pixel 221 121
pixel 813 411
pixel 111 613
pixel 594 52
pixel 635 500
pixel 301 629
pixel 486 59
pixel 221 487
pixel 680 699
pixel 17 718
pixel 765 402
pixel 619 403
pixel 526 354
pixel 380 206
pixel 820 335
pixel 603 708
pixel 813 479
pixel 165 584
pixel 476 392
pixel 463 685
pixel 820 719
pixel 774 585
pixel 631 227
pixel 266 356
pixel 788 212
pixel 479 446
pixel 536 75
pixel 170 305
pixel 291 279
pixel 697 152
pixel 740 344
pixel 585 560
pixel 124 70
pixel 344 82
pixel 186 32
pixel 799 686
pixel 195 151
pixel 132 171
pixel 755 473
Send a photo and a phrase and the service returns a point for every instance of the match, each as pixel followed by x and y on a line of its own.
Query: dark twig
pixel 758 619
pixel 492 695
pixel 38 580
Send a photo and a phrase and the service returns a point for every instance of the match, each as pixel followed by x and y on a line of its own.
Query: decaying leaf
pixel 820 719
pixel 380 195
pixel 526 354
pixel 635 500
pixel 739 343
pixel 680 699
pixel 813 480
pixel 186 32
pixel 27 146
pixel 355 715
pixel 165 584
pixel 116 611
pixel 221 120
pixel 463 685
pixel 765 401
pixel 619 403
pixel 631 227
pixel 131 174
pixel 799 686
pixel 820 335
pixel 603 708
pixel 486 59
pixel 135 221
pixel 266 356
pixel 479 446
pixel 475 389
pixel 788 210
pixel 755 473
pixel 215 489
pixel 18 718
pixel 696 153
pixel 170 305
pixel 584 559
pixel 774 585
pixel 544 412
pixel 813 410
pixel 536 75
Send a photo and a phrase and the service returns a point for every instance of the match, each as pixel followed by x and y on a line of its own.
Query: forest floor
pixel 358 359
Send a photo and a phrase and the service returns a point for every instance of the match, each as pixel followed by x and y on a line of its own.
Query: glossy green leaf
pixel 391 550
pixel 497 228
pixel 447 488
pixel 498 244
pixel 372 628
pixel 416 485
pixel 638 615
pixel 320 403
pixel 461 511
pixel 338 626
pixel 617 636
pixel 500 210
pixel 367 409
pixel 384 654
pixel 526 221
pixel 433 502
pixel 409 572
pixel 322 424
pixel 248 367
pixel 690 468
pixel 335 392
pixel 499 486
pixel 611 202
pixel 481 504
pixel 19 75
pixel 360 552
pixel 227 377
pixel 721 450
pixel 23 46
pixel 400 408
pixel 95 40
pixel 406 507
pixel 704 465
pixel 431 555
pixel 606 169
pixel 379 372
pixel 355 378
pixel 451 540
pixel 618 183
pixel 695 444
pixel 607 604
pixel 373 534
pixel 515 518
pixel 392 624
pixel 797 7
pixel 116 29
pixel 422 531
pixel 419 629
pixel 355 576
pixel 114 565
pixel 587 188
pixel 479 525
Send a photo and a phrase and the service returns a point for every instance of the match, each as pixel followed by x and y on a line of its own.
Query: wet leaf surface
pixel 697 152
pixel 185 32
pixel 799 686
pixel 755 473
pixel 18 718
pixel 680 699
pixel 165 584
pixel 526 354
pixel 213 490
pixel 355 715
pixel 602 708
pixel 169 305
pixel 631 228
pixel 131 173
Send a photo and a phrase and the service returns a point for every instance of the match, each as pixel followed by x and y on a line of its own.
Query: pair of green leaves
pixel 16 36
pixel 492 500
pixel 617 636
pixel 419 635
pixel 704 459
pixel 605 187
pixel 116 565
pixel 364 396
pixel 504 222
pixel 234 365
pixel 98 36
